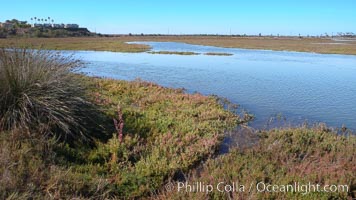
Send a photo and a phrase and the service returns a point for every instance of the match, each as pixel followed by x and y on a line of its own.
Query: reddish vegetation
pixel 119 124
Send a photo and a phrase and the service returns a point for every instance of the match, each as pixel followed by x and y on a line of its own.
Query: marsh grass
pixel 115 44
pixel 282 156
pixel 166 131
pixel 118 44
pixel 317 45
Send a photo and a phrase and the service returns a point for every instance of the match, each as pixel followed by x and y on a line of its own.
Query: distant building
pixel 47 25
pixel 71 26
pixel 37 25
pixel 57 25
pixel 6 25
pixel 74 26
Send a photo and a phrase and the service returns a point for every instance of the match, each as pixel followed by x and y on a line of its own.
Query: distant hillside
pixel 16 28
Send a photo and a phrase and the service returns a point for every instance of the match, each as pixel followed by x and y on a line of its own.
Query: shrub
pixel 39 93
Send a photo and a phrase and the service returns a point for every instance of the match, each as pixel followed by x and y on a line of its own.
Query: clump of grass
pixel 174 52
pixel 39 93
pixel 218 54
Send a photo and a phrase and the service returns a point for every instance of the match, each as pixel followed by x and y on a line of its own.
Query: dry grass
pixel 75 43
pixel 318 45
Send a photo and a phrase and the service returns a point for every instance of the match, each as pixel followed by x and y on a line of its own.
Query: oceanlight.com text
pixel 260 187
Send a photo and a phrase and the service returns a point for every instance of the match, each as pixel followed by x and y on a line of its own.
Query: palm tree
pixel 35 19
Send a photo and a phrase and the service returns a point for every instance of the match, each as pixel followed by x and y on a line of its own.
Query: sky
pixel 284 17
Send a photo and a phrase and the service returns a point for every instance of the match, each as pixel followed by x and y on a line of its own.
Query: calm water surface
pixel 299 86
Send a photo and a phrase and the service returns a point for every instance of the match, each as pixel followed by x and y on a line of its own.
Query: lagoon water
pixel 297 86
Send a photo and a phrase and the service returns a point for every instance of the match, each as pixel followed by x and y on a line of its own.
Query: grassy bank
pixel 282 157
pixel 165 132
pixel 318 45
pixel 109 139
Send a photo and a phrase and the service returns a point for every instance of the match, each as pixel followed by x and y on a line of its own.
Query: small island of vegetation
pixel 186 53
pixel 218 54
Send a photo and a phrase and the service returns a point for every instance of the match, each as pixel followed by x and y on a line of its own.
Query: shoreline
pixel 119 44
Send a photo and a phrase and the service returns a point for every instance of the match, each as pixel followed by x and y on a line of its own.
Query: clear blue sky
pixel 192 16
